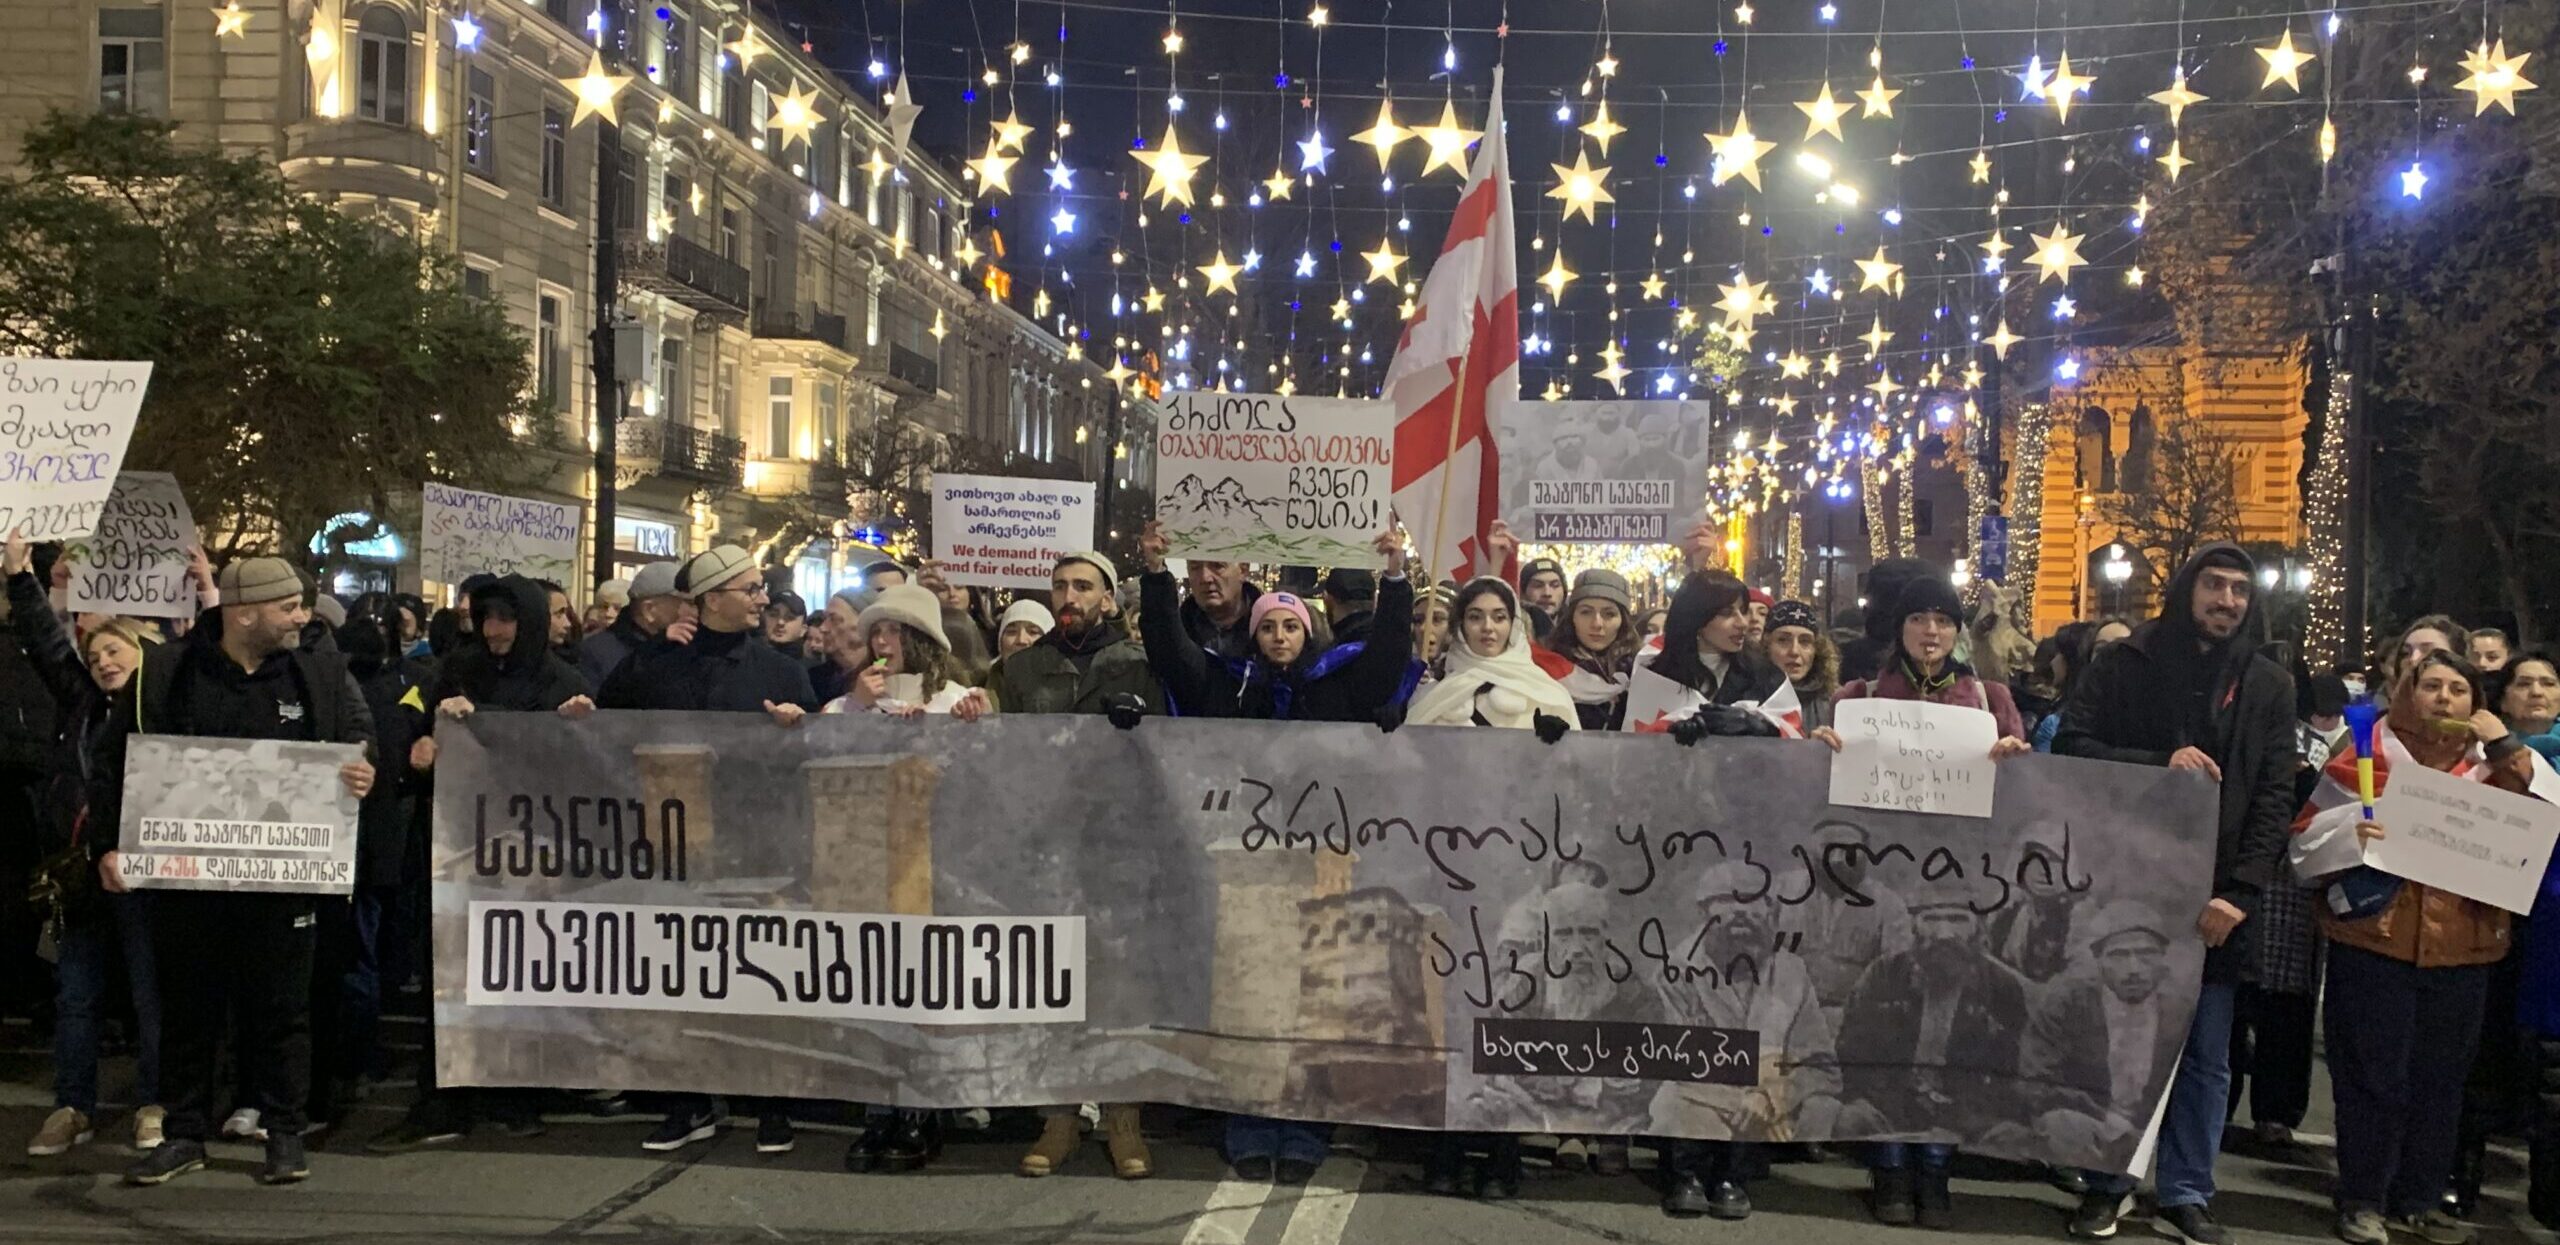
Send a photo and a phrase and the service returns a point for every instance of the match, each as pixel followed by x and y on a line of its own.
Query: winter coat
pixel 160 699
pixel 1233 641
pixel 1044 679
pixel 384 822
pixel 723 672
pixel 2125 708
pixel 529 679
pixel 60 699
pixel 2423 925
pixel 1879 1041
pixel 1346 683
pixel 601 654
pixel 2066 1050
pixel 1964 689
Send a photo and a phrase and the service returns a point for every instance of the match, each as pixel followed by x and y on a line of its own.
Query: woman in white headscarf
pixel 1492 677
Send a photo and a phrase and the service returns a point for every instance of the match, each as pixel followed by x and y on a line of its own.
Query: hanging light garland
pixel 2026 509
pixel 2324 517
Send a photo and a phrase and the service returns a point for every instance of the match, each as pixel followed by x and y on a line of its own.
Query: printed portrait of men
pixel 2100 1048
pixel 1564 929
pixel 1929 1039
pixel 2033 932
pixel 1759 988
pixel 1852 921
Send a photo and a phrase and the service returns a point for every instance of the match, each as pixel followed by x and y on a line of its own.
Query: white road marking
pixel 1325 1205
pixel 1232 1207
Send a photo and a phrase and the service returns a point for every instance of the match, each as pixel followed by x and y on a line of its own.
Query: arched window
pixel 2140 437
pixel 382 66
pixel 2096 466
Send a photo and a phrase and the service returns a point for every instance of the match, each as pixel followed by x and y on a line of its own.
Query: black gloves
pixel 1728 721
pixel 1550 728
pixel 1125 710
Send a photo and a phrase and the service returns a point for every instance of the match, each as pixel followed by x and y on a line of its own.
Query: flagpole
pixel 1449 459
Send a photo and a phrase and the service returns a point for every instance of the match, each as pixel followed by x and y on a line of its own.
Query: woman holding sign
pixel 2408 966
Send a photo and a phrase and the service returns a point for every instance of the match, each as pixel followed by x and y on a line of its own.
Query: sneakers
pixel 1058 1138
pixel 65 1128
pixel 242 1125
pixel 2436 1228
pixel 2195 1226
pixel 166 1162
pixel 1255 1169
pixel 2099 1215
pixel 774 1135
pixel 149 1128
pixel 2362 1227
pixel 1129 1157
pixel 285 1161
pixel 683 1128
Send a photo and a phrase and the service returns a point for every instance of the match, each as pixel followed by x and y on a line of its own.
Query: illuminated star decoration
pixel 1312 152
pixel 1741 301
pixel 1341 309
pixel 1601 129
pixel 1383 263
pixel 1384 134
pixel 1582 187
pixel 967 252
pixel 1616 373
pixel 1276 187
pixel 595 88
pixel 2177 97
pixel 1220 274
pixel 2056 254
pixel 2176 161
pixel 1880 273
pixel 1883 386
pixel 1737 154
pixel 1877 99
pixel 1794 366
pixel 1822 114
pixel 2413 181
pixel 2001 339
pixel 2284 62
pixel 1063 221
pixel 1010 132
pixel 746 47
pixel 2133 276
pixel 1995 252
pixel 1654 285
pixel 2495 77
pixel 231 21
pixel 1972 374
pixel 1556 276
pixel 1061 177
pixel 1154 300
pixel 796 115
pixel 1169 169
pixel 2066 85
pixel 1876 338
pixel 993 170
pixel 1981 165
pixel 1306 263
pixel 1448 141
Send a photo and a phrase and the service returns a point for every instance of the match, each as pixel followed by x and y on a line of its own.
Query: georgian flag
pixel 2324 833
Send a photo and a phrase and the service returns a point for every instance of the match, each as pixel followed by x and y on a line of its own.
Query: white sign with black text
pixel 135 563
pixel 64 425
pixel 2467 837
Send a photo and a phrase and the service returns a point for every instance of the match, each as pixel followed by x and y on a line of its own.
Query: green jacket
pixel 1040 679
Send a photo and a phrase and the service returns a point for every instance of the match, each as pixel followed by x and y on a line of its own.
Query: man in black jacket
pixel 2189 690
pixel 654 607
pixel 1350 602
pixel 238 675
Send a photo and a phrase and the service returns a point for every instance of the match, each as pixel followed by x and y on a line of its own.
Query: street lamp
pixel 2118 571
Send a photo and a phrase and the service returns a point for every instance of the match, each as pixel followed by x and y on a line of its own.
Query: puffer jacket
pixel 2424 926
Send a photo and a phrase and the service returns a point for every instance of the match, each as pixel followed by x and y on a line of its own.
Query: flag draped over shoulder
pixel 1457 370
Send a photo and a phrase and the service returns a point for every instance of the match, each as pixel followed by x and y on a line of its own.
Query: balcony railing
pixel 655 446
pixel 914 368
pixel 684 271
pixel 816 327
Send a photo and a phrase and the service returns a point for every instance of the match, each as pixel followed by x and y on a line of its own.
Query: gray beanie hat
pixel 1601 585
pixel 911 604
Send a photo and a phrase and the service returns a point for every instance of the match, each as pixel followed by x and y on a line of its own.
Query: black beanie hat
pixel 1928 594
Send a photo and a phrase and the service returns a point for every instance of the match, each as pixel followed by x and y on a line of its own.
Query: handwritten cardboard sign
pixel 64 425
pixel 136 561
pixel 2462 836
pixel 1001 532
pixel 1257 477
pixel 462 533
pixel 1913 756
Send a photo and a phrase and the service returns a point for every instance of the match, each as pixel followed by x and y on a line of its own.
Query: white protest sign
pixel 64 424
pixel 462 533
pixel 1257 477
pixel 2463 836
pixel 1913 756
pixel 1002 532
pixel 136 561
pixel 238 815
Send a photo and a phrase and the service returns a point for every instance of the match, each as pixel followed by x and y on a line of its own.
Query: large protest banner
pixel 1434 928
pixel 135 562
pixel 238 815
pixel 1257 477
pixel 64 424
pixel 462 533
pixel 1606 472
pixel 1002 532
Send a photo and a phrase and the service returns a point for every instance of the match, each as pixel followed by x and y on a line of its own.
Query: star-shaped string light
pixel 1972 374
pixel 1169 169
pixel 1220 274
pixel 1118 371
pixel 2066 86
pixel 1061 177
pixel 595 89
pixel 1831 364
pixel 1741 301
pixel 1876 338
pixel 1384 134
pixel 1341 309
pixel 1653 286
pixel 1616 372
pixel 1877 99
pixel 1010 132
pixel 1553 392
pixel 1601 128
pixel 231 21
pixel 1880 273
pixel 1306 263
pixel 1883 386
pixel 2134 276
pixel 994 170
pixel 1981 166
pixel 1737 154
pixel 2284 62
pixel 1822 114
pixel 2056 254
pixel 1062 222
pixel 747 47
pixel 2177 98
pixel 1276 187
pixel 2001 339
pixel 1383 263
pixel 1794 366
pixel 967 252
pixel 2413 181
pixel 2175 161
pixel 1448 141
pixel 1556 277
pixel 1995 252
pixel 1581 187
pixel 2495 77
pixel 1312 152
pixel 796 114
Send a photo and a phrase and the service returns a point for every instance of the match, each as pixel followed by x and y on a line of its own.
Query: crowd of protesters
pixel 2440 1029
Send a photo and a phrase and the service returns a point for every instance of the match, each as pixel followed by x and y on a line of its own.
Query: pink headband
pixel 1276 602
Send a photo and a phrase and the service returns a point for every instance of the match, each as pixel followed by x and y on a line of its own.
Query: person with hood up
pixel 2408 974
pixel 1803 652
pixel 1489 676
pixel 1598 636
pixel 1083 665
pixel 1291 677
pixel 715 664
pixel 654 607
pixel 1706 648
pixel 910 668
pixel 1864 657
pixel 238 675
pixel 2189 690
